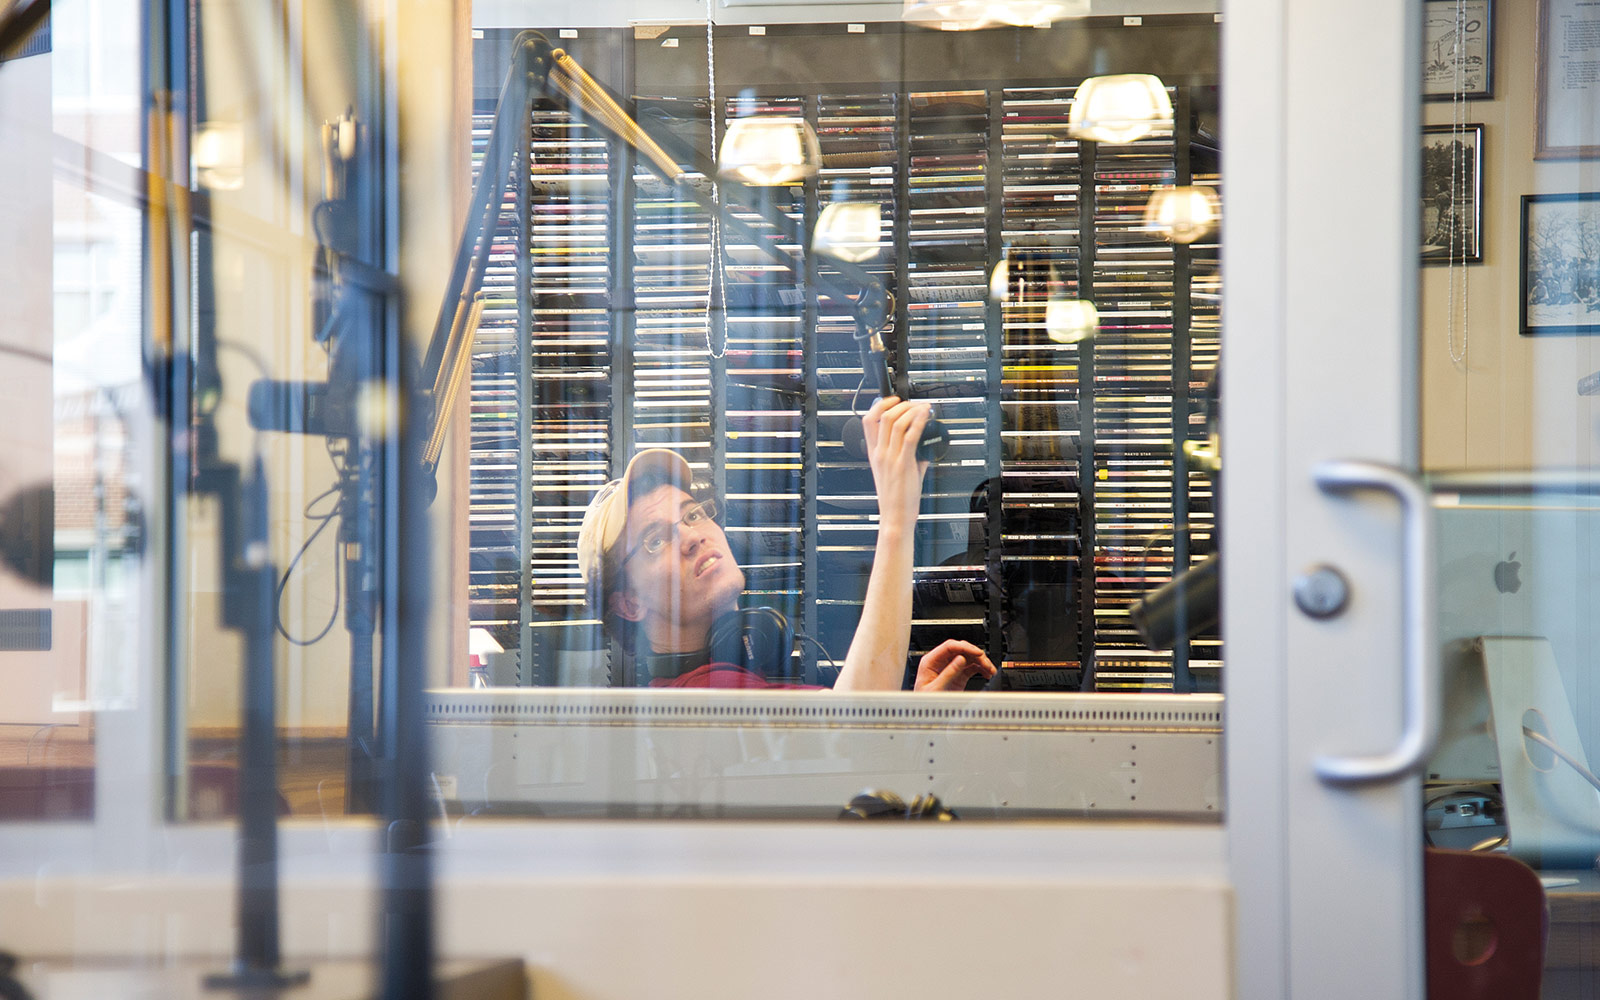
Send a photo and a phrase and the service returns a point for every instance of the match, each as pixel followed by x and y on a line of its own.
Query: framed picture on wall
pixel 1452 194
pixel 1566 84
pixel 1457 49
pixel 1560 286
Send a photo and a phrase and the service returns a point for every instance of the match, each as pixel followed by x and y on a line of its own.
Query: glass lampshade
pixel 849 231
pixel 1119 108
pixel 1067 321
pixel 1182 214
pixel 766 151
pixel 960 15
pixel 1000 279
pixel 219 155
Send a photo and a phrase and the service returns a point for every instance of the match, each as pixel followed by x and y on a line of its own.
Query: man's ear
pixel 627 606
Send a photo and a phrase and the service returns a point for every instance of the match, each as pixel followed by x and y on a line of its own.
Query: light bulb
pixel 767 151
pixel 219 155
pixel 965 15
pixel 1000 280
pixel 1067 321
pixel 1119 108
pixel 1182 214
pixel 849 231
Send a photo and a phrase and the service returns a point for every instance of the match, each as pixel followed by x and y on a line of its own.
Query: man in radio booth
pixel 657 567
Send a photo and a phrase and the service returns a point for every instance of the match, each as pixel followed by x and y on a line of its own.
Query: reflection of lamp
pixel 219 155
pixel 765 151
pixel 1119 108
pixel 849 230
pixel 964 15
pixel 1000 280
pixel 1067 321
pixel 1182 214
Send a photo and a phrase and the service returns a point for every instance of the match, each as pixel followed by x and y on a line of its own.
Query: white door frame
pixel 1321 105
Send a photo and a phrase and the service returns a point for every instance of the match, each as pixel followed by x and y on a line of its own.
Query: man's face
pixel 678 591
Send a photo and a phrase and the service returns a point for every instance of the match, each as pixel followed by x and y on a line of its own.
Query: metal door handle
pixel 1420 726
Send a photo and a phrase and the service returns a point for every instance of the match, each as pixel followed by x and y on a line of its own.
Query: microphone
pixel 875 365
pixel 27 534
pixel 1182 608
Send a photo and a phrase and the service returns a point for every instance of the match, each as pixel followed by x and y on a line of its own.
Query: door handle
pixel 1420 720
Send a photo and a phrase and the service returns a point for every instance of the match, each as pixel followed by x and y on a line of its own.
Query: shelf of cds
pixel 623 315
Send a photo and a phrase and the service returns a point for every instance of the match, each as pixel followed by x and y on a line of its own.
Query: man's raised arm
pixel 877 657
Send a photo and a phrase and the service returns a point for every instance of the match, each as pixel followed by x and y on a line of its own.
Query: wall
pixel 708 911
pixel 1513 404
pixel 30 681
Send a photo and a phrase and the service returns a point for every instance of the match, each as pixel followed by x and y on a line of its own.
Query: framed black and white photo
pixel 1560 289
pixel 1452 194
pixel 1457 49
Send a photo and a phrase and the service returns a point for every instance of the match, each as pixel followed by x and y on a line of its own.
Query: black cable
pixel 820 647
pixel 248 353
pixel 857 395
pixel 338 577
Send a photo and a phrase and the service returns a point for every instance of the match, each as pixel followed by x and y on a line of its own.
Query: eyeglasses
pixel 661 535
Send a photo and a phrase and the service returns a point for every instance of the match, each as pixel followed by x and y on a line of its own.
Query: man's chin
pixel 724 588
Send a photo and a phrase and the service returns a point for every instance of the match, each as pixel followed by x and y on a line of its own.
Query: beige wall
pixel 1514 403
pixel 30 682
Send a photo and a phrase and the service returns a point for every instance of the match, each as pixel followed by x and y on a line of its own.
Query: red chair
pixel 1486 926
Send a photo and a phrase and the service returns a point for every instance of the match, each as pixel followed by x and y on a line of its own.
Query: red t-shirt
pixel 727 675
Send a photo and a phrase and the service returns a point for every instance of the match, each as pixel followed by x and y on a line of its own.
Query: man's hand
pixel 893 429
pixel 950 665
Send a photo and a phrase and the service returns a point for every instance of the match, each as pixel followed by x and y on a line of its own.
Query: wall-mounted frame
pixel 1457 49
pixel 1452 194
pixel 1565 87
pixel 1560 272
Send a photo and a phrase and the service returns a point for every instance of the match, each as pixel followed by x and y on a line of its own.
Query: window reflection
pixel 656 320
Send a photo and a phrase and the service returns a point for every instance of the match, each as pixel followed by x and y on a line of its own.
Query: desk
pixel 1572 950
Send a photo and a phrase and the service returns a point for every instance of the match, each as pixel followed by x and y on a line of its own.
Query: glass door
pixel 1410 440
pixel 1325 720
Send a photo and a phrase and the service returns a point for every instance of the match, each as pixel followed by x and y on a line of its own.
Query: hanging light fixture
pixel 219 155
pixel 965 15
pixel 765 151
pixel 1000 278
pixel 849 231
pixel 1182 214
pixel 1068 321
pixel 1120 108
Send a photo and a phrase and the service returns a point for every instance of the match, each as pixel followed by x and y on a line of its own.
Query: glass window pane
pixel 661 308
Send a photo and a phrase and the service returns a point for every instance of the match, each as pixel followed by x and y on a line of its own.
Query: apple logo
pixel 1505 575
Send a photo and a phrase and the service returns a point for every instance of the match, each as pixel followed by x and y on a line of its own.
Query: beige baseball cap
pixel 607 516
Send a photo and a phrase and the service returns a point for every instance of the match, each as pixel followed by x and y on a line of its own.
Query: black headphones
pixel 878 803
pixel 760 640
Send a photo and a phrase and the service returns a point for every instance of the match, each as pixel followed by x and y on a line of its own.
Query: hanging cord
pixel 338 576
pixel 712 284
pixel 1457 234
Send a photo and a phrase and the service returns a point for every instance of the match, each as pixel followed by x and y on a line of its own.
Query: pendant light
pixel 219 155
pixel 1121 108
pixel 1182 214
pixel 769 150
pixel 849 230
pixel 1068 321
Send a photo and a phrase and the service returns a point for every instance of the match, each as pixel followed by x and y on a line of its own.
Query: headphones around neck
pixel 759 640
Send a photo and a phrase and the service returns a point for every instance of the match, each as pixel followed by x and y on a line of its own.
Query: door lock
pixel 1321 592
